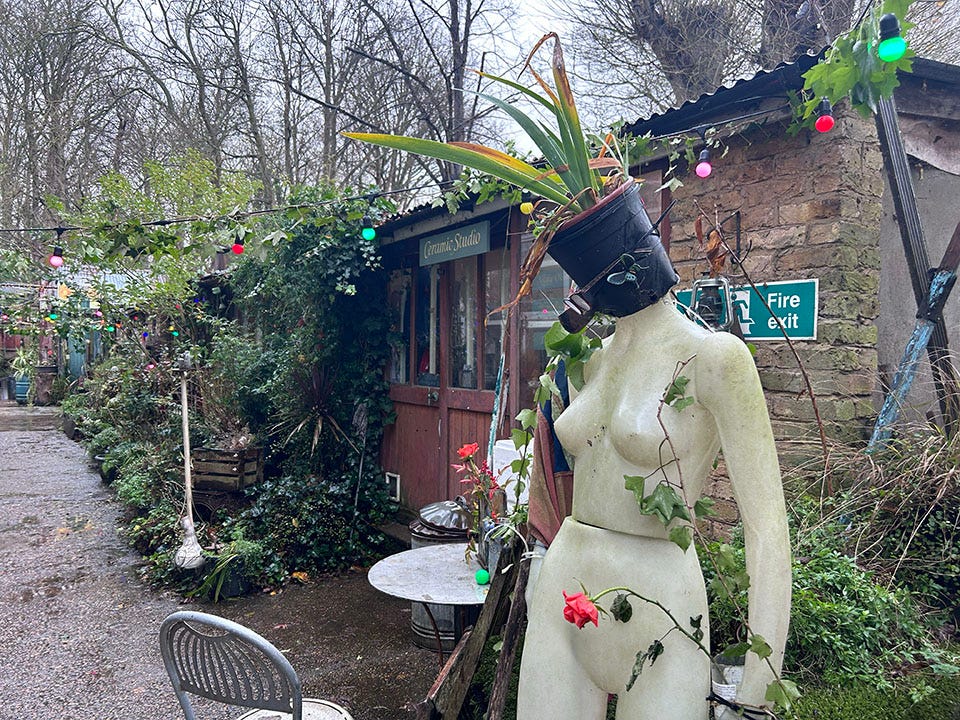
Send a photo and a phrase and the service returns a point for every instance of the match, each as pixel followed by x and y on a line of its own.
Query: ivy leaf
pixel 520 466
pixel 519 437
pixel 575 374
pixel 651 653
pixel 760 647
pixel 635 483
pixel 682 535
pixel 736 651
pixel 559 342
pixel 782 693
pixel 665 503
pixel 621 609
pixel 675 394
pixel 675 390
pixel 704 507
pixel 548 384
pixel 695 623
pixel 527 418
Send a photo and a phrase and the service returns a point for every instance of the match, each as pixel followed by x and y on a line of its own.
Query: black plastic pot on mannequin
pixel 614 254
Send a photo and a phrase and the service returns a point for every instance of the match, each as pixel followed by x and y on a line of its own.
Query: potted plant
pixel 23 369
pixel 591 218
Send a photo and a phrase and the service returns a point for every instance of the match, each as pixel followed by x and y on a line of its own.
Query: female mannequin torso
pixel 618 426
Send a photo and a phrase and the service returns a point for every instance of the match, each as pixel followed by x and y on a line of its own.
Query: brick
pixel 810 210
pixel 850 383
pixel 815 256
pixel 847 305
pixel 781 380
pixel 847 332
pixel 850 280
pixel 819 233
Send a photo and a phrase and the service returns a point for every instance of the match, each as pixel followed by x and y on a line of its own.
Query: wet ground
pixel 78 630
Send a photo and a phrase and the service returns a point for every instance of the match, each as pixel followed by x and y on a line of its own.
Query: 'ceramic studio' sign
pixel 459 243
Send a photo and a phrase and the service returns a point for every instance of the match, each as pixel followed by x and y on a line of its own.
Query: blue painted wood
pixel 940 287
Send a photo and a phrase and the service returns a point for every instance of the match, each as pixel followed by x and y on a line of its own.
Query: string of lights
pixel 160 222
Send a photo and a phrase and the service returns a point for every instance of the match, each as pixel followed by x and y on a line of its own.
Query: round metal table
pixel 436 574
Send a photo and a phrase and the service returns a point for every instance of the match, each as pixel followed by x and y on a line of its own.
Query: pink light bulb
pixel 55 261
pixel 704 169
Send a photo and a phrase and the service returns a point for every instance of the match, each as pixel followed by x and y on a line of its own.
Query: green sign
pixel 459 243
pixel 795 302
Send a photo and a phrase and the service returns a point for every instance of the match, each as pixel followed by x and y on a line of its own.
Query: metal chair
pixel 215 658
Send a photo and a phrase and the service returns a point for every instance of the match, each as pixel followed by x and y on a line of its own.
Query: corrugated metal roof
pixel 741 95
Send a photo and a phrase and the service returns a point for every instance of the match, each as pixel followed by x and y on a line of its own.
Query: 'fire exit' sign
pixel 794 302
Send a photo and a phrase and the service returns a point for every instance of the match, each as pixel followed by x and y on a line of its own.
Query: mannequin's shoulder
pixel 726 356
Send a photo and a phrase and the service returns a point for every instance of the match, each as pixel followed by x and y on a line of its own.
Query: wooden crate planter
pixel 226 470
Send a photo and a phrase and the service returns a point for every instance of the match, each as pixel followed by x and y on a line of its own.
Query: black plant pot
pixel 590 249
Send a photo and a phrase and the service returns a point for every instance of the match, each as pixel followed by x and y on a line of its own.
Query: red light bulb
pixel 237 249
pixel 825 121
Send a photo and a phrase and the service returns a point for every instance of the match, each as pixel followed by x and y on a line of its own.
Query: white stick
pixel 190 554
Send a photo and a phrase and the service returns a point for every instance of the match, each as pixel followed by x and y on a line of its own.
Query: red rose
pixel 468 450
pixel 579 609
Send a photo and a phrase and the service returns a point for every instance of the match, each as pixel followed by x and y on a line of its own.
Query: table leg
pixel 436 632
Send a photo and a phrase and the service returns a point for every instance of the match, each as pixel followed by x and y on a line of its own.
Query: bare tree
pixel 660 53
pixel 58 95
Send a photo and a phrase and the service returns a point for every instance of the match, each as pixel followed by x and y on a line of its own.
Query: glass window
pixel 464 323
pixel 428 327
pixel 538 312
pixel 496 293
pixel 398 297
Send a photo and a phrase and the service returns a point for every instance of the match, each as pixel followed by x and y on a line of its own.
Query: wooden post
pixel 511 635
pixel 911 233
pixel 446 697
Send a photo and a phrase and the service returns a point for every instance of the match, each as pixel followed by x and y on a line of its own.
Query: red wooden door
pixel 442 385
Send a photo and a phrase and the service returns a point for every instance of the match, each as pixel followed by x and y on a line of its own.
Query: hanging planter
pixel 590 215
pixel 614 254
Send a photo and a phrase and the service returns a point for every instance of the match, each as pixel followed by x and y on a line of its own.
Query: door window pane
pixel 538 312
pixel 464 323
pixel 398 297
pixel 496 293
pixel 428 327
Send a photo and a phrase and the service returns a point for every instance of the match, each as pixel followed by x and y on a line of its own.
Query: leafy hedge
pixel 289 352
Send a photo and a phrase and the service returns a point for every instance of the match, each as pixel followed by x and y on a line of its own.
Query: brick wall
pixel 811 207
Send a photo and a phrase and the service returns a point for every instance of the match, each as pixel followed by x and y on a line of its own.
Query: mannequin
pixel 611 429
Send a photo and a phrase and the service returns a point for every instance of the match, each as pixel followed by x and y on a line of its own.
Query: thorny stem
pixel 676 626
pixel 827 483
pixel 662 607
pixel 698 533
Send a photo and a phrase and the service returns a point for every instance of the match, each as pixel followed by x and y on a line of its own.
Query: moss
pixel 859 701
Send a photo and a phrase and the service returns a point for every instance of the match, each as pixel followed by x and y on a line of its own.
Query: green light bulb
pixel 892 46
pixel 368 233
pixel 892 49
pixel 53 316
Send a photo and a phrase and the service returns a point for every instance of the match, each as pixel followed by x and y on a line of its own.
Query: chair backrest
pixel 215 658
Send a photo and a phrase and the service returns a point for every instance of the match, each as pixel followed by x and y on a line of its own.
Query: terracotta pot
pixel 591 247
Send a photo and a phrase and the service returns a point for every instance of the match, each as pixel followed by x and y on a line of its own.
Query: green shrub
pixel 843 624
pixel 899 510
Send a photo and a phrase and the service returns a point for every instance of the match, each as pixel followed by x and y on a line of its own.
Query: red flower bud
pixel 468 450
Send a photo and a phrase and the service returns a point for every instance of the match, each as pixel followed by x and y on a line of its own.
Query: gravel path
pixel 78 628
